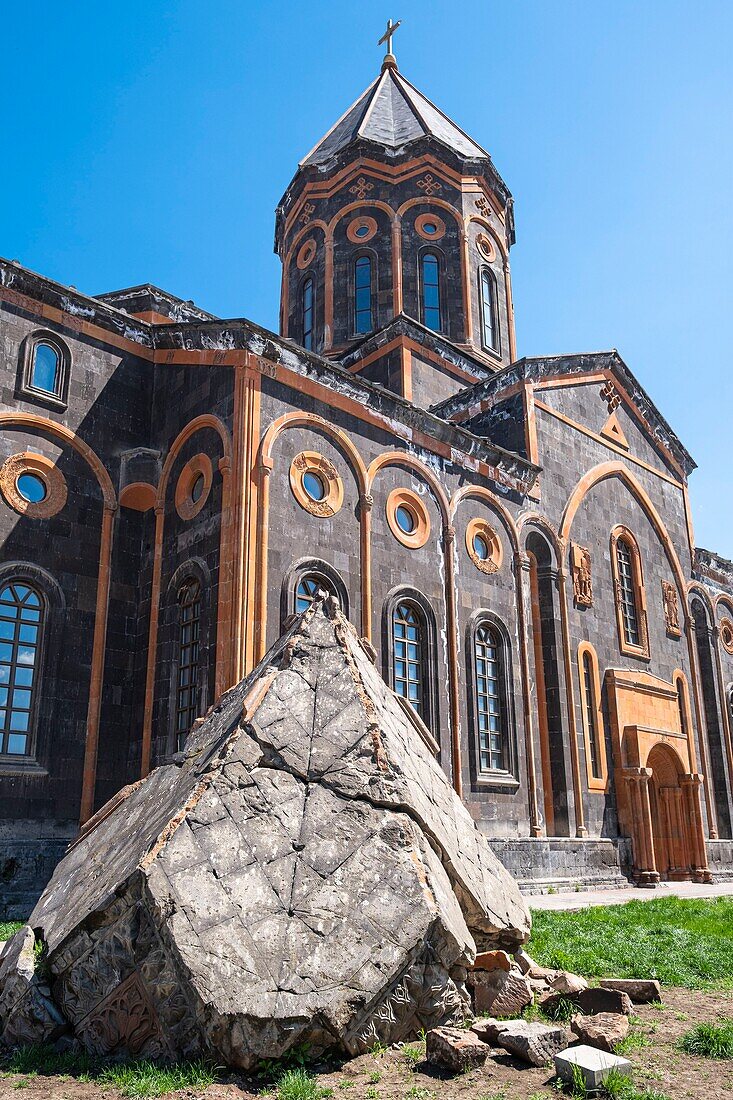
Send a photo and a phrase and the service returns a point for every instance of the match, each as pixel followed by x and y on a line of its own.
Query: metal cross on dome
pixel 387 36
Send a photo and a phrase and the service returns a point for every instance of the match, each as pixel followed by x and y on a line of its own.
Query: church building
pixel 511 536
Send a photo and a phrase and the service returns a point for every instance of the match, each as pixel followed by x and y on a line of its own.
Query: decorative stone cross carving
pixel 582 576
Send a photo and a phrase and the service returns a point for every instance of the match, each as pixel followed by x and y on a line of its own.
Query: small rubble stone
pixel 596 999
pixel 533 1042
pixel 524 961
pixel 455 1049
pixel 594 1064
pixel 488 1029
pixel 499 992
pixel 604 1030
pixel 493 960
pixel 641 990
pixel 565 982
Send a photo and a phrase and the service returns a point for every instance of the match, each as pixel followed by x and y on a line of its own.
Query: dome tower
pixel 397 211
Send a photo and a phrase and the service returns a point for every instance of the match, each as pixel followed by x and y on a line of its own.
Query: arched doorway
pixel 670 827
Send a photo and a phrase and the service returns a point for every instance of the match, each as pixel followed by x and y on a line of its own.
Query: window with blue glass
pixel 490 718
pixel 21 626
pixel 489 328
pixel 363 295
pixel 408 647
pixel 46 368
pixel 431 308
pixel 308 315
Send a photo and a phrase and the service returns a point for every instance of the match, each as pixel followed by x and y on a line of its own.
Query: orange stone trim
pixel 361 223
pixel 59 431
pixel 52 478
pixel 199 423
pixel 315 463
pixel 726 634
pixel 480 527
pixel 405 498
pixel 139 496
pixel 305 254
pixel 264 464
pixel 186 506
pixel 595 782
pixel 420 222
pixel 637 575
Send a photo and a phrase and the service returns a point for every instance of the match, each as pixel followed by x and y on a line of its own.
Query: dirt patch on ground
pixel 395 1075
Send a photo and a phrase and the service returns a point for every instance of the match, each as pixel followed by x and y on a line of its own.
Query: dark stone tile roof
pixel 392 113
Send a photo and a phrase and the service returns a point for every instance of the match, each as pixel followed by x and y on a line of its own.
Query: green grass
pixel 682 942
pixel 617 1086
pixel 8 928
pixel 709 1040
pixel 149 1079
pixel 137 1078
pixel 298 1084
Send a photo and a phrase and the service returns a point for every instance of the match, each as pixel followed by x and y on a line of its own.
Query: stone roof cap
pixel 535 369
pixel 392 113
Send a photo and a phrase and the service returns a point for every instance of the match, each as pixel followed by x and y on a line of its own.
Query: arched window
pixel 308 314
pixel 46 368
pixel 431 310
pixel 489 326
pixel 592 715
pixel 189 637
pixel 307 590
pixel 488 660
pixel 682 705
pixel 363 295
pixel 409 655
pixel 629 593
pixel 21 626
pixel 629 609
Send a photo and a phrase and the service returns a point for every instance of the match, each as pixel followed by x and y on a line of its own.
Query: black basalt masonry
pixel 712 721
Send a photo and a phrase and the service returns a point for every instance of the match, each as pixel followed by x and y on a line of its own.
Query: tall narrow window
pixel 21 623
pixel 627 593
pixel 489 328
pixel 431 292
pixel 682 705
pixel 307 589
pixel 487 657
pixel 363 294
pixel 408 642
pixel 308 315
pixel 189 631
pixel 46 368
pixel 591 715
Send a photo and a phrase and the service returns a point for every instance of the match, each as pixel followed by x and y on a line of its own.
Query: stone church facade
pixel 513 537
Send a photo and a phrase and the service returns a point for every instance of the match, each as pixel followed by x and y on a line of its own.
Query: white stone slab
pixel 594 1064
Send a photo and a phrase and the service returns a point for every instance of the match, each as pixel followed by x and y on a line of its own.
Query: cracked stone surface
pixel 303 873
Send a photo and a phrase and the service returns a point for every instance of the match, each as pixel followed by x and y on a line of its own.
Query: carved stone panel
pixel 671 608
pixel 582 577
pixel 125 1020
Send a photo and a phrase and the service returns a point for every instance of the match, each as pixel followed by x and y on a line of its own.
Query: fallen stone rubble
pixel 508 985
pixel 304 873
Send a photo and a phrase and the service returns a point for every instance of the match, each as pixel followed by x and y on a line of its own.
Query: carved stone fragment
pixel 303 873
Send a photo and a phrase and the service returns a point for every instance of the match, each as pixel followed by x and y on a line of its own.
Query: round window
pixel 480 547
pixel 405 519
pixel 361 231
pixel 197 488
pixel 430 228
pixel 32 488
pixel 313 485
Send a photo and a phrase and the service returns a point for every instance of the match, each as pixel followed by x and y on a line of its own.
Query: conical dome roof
pixel 392 113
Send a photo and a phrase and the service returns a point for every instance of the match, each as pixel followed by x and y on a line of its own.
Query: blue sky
pixel 153 147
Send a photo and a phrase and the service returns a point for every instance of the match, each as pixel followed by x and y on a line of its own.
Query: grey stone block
pixel 594 1064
